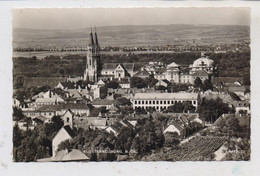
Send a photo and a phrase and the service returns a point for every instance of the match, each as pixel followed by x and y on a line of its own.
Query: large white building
pixel 202 68
pixel 163 100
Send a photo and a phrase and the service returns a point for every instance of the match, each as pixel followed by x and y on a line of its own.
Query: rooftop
pixel 178 96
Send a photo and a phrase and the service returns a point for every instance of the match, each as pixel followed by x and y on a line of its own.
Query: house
pixel 73 155
pixel 239 90
pixel 90 122
pixel 48 98
pixel 65 133
pixel 68 118
pixel 241 107
pixel 101 83
pixel 103 103
pixel 79 109
pixel 66 155
pixel 220 82
pixel 142 73
pixel 66 85
pixel 164 83
pixel 124 84
pixel 16 103
pixel 175 126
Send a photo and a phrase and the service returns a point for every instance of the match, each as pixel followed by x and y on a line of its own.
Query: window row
pixel 156 102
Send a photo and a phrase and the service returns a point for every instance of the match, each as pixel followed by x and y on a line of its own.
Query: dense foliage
pixel 211 109
pixel 34 144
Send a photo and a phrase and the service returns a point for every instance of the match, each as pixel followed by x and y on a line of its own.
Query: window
pixel 146 102
pixel 135 102
pixel 68 119
pixel 153 102
pixel 150 102
pixel 172 102
pixel 50 113
pixel 165 102
pixel 194 102
pixel 169 102
pixel 142 102
pixel 161 102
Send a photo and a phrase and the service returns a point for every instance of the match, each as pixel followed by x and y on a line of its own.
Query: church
pixel 95 70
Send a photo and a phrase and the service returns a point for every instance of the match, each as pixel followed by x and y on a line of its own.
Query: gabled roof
pixel 200 73
pixel 49 108
pixel 112 66
pixel 176 124
pixel 237 89
pixel 69 131
pixel 68 84
pixel 226 80
pixel 104 102
pixel 75 106
pixel 142 73
pixel 73 155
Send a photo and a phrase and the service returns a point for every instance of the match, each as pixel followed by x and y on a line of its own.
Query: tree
pixel 207 85
pixel 176 108
pixel 198 83
pixel 211 109
pixel 171 139
pixel 137 82
pixel 188 107
pixel 112 84
pixel 17 114
pixel 122 101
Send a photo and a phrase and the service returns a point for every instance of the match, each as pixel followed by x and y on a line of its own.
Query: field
pixel 197 149
pixel 135 35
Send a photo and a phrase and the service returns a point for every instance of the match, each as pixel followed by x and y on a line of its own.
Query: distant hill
pixel 134 35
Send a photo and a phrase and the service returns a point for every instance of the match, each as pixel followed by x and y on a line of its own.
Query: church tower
pixel 93 58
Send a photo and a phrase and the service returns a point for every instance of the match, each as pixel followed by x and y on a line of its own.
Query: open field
pixel 135 35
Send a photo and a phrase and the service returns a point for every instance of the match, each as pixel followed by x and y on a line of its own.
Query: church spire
pixel 91 39
pixel 96 38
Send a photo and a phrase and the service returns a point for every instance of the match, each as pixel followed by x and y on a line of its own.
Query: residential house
pixel 175 126
pixel 65 133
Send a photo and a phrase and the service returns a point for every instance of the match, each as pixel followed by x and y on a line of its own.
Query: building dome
pixel 203 62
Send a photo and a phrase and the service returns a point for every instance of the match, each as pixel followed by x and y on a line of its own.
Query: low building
pixel 160 101
pixel 65 133
pixel 239 90
pixel 175 126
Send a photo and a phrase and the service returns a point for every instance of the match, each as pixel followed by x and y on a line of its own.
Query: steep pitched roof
pixel 142 73
pixel 75 106
pixel 237 89
pixel 103 102
pixel 69 131
pixel 73 155
pixel 226 80
pixel 112 66
pixel 68 84
pixel 49 108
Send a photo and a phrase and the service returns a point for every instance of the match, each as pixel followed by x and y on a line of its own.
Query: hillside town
pixel 114 112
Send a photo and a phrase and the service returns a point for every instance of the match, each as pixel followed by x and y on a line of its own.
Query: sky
pixel 75 18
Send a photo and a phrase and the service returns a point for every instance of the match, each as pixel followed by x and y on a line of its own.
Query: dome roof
pixel 173 64
pixel 203 61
